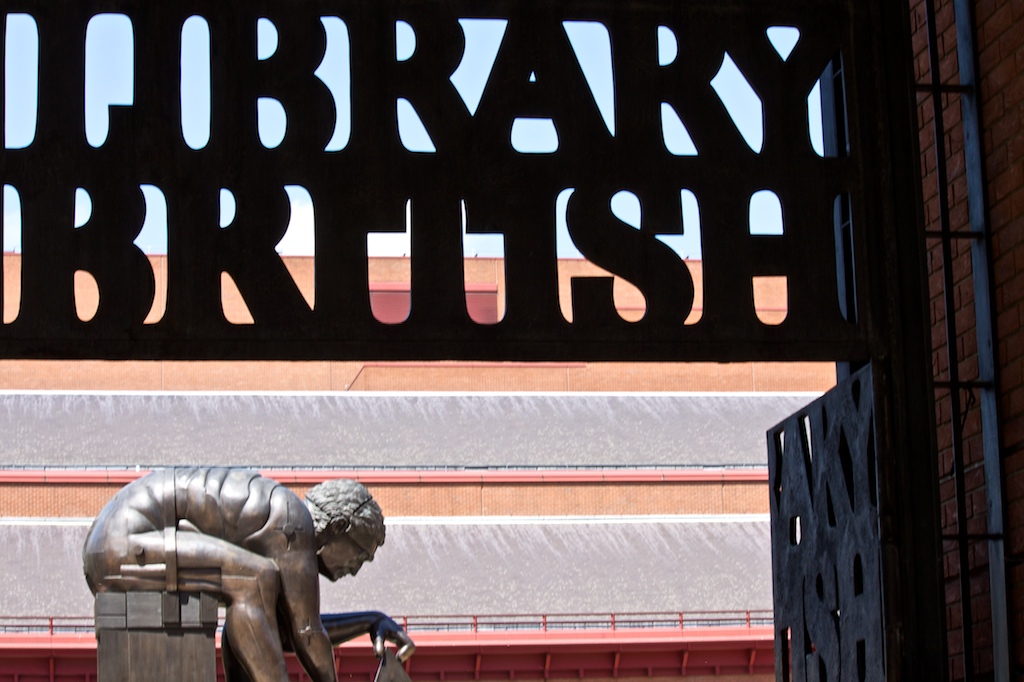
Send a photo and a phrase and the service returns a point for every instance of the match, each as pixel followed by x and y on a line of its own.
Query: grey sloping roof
pixel 369 430
pixel 469 566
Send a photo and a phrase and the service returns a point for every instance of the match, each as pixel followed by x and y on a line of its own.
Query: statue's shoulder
pixel 293 506
pixel 284 522
pixel 284 509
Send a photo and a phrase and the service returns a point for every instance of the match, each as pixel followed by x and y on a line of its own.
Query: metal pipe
pixel 967 57
pixel 942 184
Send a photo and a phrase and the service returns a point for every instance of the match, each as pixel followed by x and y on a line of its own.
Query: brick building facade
pixel 999 45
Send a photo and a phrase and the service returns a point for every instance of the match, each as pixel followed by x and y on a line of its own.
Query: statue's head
pixel 348 524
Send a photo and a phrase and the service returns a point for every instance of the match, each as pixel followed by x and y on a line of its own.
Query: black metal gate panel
pixel 825 538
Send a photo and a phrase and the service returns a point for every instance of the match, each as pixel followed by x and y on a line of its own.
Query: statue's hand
pixel 386 629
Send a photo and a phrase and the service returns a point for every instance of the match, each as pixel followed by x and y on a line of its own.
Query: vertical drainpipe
pixel 984 328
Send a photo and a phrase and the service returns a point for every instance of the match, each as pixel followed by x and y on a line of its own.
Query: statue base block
pixel 146 636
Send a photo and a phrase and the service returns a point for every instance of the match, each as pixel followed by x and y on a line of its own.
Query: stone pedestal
pixel 148 636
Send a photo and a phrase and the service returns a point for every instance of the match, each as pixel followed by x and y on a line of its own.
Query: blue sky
pixel 110 76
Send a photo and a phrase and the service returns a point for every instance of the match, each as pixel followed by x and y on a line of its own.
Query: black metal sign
pixel 471 177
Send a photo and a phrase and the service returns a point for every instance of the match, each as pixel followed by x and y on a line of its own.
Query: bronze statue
pixel 252 541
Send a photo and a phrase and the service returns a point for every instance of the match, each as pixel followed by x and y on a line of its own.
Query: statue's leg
pixel 233 670
pixel 251 585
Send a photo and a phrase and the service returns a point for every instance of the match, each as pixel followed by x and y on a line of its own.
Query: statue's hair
pixel 346 505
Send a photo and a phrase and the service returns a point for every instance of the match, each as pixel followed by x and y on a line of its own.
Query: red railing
pixel 43 624
pixel 455 647
pixel 589 621
pixel 479 623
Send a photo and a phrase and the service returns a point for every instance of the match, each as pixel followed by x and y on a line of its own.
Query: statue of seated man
pixel 252 541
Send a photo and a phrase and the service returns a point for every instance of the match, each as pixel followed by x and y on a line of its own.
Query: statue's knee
pixel 267 578
pixel 100 567
pixel 258 581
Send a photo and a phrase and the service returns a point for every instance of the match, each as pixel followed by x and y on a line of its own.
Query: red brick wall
pixel 379 376
pixel 1000 45
pixel 770 293
pixel 56 500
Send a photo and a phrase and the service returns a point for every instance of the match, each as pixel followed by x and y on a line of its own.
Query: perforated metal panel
pixel 826 549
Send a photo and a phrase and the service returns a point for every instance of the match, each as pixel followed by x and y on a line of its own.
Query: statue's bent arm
pixel 300 597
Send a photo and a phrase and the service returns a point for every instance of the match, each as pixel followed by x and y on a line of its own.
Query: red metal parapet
pixel 71 476
pixel 716 646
